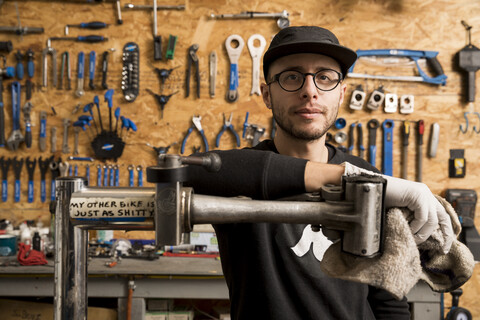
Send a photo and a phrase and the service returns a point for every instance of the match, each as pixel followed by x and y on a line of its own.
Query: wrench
pixel 80 74
pixel 256 54
pixel 17 169
pixel 42 139
pixel 43 165
pixel 233 55
pixel 65 147
pixel 49 51
pixel 27 108
pixel 53 133
pixel 76 130
pixel 63 168
pixel 213 72
pixel 30 164
pixel 16 137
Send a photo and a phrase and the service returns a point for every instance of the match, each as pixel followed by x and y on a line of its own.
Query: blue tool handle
pixel 105 177
pixel 52 190
pixel 182 149
pixel 350 138
pixel 75 171
pixel 373 155
pixel 117 177
pixel 87 173
pixel 70 171
pixel 28 135
pixel 30 68
pixel 81 64
pixel 219 136
pixel 91 65
pixel 398 53
pixel 30 191
pixel 112 177
pixel 43 191
pixel 130 178
pixel 91 39
pixel 387 167
pixel 99 177
pixel 16 105
pixel 360 137
pixel 43 128
pixel 17 190
pixel 245 125
pixel 4 190
pixel 93 25
pixel 236 137
pixel 20 71
pixel 233 76
pixel 204 140
pixel 140 178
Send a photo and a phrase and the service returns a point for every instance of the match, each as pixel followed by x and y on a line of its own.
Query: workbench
pixel 166 277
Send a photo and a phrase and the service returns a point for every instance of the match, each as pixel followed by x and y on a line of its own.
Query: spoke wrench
pixel 16 137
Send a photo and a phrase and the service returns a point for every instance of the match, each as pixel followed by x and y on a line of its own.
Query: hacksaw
pixel 415 55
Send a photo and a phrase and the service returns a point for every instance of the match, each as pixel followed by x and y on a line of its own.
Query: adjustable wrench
pixel 256 54
pixel 16 137
pixel 80 74
pixel 233 55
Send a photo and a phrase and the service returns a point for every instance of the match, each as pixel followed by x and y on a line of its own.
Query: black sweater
pixel 272 270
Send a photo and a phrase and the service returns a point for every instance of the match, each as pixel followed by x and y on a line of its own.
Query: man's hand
pixel 428 212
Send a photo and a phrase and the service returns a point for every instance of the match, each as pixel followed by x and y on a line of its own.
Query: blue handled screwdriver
pixel 94 25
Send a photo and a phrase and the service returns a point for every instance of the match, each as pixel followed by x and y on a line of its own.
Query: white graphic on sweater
pixel 309 237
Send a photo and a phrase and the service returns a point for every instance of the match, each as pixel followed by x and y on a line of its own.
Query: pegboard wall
pixel 359 24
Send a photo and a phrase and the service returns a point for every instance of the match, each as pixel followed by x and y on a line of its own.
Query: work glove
pixel 416 196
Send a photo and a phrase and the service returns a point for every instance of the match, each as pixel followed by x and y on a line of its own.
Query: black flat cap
pixel 308 39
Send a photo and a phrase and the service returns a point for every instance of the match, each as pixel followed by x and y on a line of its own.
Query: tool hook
pixel 462 128
pixel 475 127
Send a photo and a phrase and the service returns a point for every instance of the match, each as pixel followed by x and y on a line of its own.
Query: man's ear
pixel 266 95
pixel 343 89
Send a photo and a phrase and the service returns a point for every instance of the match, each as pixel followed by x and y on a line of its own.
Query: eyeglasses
pixel 291 80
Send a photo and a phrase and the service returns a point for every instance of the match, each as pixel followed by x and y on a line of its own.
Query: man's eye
pixel 291 77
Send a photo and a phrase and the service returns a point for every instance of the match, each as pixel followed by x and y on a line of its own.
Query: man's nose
pixel 309 89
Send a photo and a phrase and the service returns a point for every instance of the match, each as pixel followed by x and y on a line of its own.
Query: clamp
pixel 227 124
pixel 198 125
pixel 192 60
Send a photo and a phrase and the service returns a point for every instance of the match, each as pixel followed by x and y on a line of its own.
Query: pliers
pixel 227 124
pixel 192 60
pixel 198 125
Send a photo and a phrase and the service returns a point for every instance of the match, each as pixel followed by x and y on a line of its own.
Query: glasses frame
pixel 276 78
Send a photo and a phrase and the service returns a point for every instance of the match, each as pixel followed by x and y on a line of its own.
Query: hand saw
pixel 415 55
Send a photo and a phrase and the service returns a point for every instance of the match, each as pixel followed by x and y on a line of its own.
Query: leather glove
pixel 416 196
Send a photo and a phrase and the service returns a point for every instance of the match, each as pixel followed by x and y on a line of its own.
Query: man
pixel 272 270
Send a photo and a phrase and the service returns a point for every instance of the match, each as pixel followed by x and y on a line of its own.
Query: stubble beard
pixel 297 132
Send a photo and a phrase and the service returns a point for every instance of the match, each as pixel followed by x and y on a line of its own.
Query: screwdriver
pixel 406 134
pixel 94 25
pixel 89 39
pixel 420 131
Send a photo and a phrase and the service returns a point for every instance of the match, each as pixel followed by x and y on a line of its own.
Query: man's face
pixel 308 113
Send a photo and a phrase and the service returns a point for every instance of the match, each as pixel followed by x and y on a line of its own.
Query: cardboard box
pixel 169 315
pixel 20 310
pixel 205 238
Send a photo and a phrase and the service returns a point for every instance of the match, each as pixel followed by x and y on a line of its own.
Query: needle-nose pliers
pixel 227 125
pixel 198 125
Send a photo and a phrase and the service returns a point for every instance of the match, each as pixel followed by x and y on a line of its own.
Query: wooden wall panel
pixel 360 24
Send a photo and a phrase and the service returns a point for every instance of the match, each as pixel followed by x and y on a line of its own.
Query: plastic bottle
pixel 37 242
